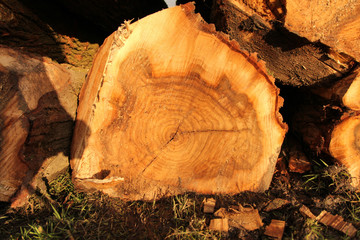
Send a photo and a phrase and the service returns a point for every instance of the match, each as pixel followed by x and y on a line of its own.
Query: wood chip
pixel 337 222
pixel 276 204
pixel 219 224
pixel 299 163
pixel 275 229
pixel 245 218
pixel 305 211
pixel 209 205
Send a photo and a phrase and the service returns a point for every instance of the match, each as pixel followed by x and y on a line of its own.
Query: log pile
pixel 38 96
pixel 170 104
pixel 313 46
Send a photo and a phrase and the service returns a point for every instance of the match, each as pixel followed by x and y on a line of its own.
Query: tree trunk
pixel 171 106
pixel 37 109
pixel 291 59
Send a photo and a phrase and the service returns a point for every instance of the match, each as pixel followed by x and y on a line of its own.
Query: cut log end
pixel 183 110
pixel 345 146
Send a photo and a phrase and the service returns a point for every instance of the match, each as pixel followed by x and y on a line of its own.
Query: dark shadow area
pixel 60 28
pixel 63 21
pixel 102 174
pixel 280 37
pixel 91 20
pixel 204 7
pixel 22 29
pixel 46 126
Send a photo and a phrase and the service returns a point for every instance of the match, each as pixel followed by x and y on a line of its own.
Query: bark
pixel 291 59
pixel 175 110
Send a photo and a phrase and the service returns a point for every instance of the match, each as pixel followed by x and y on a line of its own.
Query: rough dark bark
pixel 291 59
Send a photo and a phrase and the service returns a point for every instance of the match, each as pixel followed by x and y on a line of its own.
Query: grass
pixel 67 214
pixel 64 213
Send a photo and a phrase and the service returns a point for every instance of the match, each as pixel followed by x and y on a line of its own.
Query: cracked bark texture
pixel 171 110
pixel 292 59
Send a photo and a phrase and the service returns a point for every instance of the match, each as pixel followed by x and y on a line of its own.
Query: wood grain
pixel 179 109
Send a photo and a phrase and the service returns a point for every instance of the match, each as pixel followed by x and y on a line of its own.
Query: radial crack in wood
pixel 171 106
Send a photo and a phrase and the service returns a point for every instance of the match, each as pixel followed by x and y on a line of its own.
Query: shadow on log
pixel 37 111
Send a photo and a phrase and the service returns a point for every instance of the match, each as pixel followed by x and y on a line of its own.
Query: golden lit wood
pixel 276 229
pixel 246 218
pixel 334 23
pixel 345 146
pixel 174 109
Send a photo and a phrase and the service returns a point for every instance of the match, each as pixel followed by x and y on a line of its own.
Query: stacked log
pixel 314 46
pixel 293 60
pixel 180 109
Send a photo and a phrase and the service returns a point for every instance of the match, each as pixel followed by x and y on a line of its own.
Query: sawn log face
pixel 171 110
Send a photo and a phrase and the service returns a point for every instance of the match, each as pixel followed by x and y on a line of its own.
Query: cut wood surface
pixel 335 23
pixel 275 229
pixel 209 205
pixel 174 109
pixel 37 111
pixel 345 146
pixel 291 59
pixel 243 217
pixel 219 224
pixel 337 222
pixel 346 90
